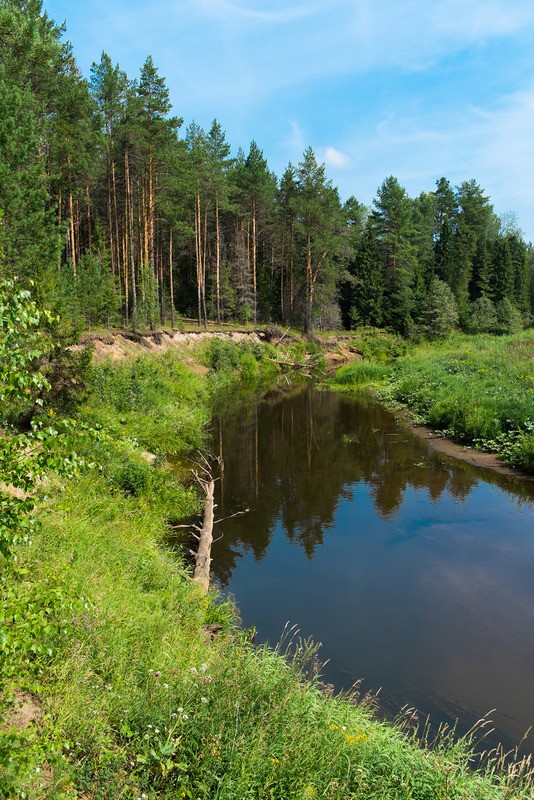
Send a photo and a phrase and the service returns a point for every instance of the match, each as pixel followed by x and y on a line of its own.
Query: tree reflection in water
pixel 293 457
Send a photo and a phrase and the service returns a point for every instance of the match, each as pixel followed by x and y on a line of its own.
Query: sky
pixel 418 89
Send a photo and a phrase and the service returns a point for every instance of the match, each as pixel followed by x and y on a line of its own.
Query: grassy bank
pixel 110 646
pixel 478 390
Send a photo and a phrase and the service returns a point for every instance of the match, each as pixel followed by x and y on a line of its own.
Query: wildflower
pixel 165 685
pixel 203 667
pixel 203 699
pixel 156 730
pixel 180 710
pixel 185 716
pixel 193 671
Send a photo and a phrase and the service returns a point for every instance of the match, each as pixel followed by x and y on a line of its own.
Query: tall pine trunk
pixel 217 262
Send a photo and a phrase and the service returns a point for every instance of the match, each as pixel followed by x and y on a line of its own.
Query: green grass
pixel 103 628
pixel 154 399
pixel 477 389
pixel 360 373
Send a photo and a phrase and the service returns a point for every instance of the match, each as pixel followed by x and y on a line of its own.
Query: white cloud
pixel 334 158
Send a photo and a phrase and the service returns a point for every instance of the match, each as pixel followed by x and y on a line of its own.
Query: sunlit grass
pixel 477 389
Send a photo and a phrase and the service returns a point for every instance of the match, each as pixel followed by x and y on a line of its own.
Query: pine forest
pixel 120 213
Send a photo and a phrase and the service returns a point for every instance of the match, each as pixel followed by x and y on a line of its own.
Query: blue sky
pixel 412 88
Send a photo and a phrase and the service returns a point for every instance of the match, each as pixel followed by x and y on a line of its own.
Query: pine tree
pixel 219 162
pixel 109 86
pixel 157 138
pixel 254 193
pixel 286 204
pixel 199 171
pixel 28 236
pixel 319 223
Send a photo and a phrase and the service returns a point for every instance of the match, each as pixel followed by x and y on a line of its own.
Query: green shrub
pixel 220 355
pixel 509 319
pixel 482 316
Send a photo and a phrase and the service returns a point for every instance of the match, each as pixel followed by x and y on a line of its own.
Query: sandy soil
pixel 475 457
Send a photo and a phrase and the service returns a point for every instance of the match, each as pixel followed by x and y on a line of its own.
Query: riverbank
pixel 475 391
pixel 121 681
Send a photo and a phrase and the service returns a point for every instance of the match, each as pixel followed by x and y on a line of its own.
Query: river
pixel 414 570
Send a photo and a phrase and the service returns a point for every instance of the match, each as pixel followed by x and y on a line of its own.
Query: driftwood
pixel 201 573
pixel 204 478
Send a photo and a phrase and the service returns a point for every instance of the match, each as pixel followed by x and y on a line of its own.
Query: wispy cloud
pixel 492 145
pixel 470 19
pixel 295 143
pixel 250 12
pixel 414 89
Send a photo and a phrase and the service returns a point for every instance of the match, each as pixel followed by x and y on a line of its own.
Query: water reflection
pixel 292 459
pixel 413 570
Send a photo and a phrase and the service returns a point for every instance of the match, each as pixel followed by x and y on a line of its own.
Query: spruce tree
pixel 368 286
pixel 392 222
pixel 445 226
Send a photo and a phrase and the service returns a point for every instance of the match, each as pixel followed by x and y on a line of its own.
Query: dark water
pixel 416 572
